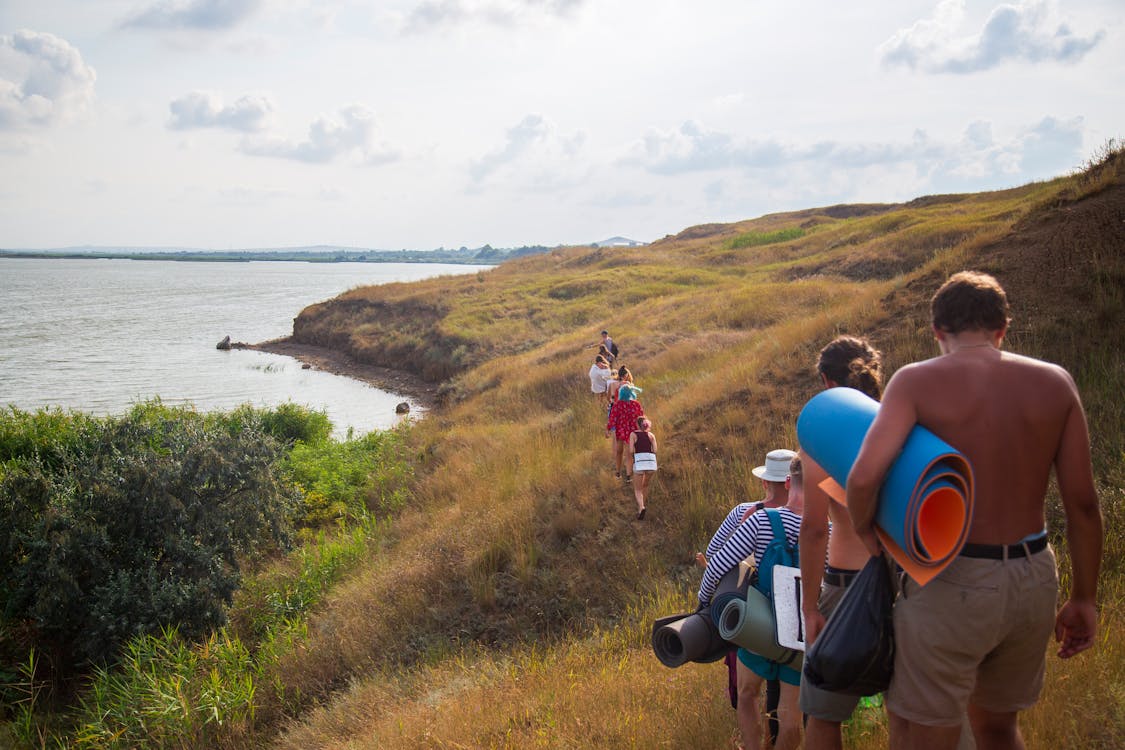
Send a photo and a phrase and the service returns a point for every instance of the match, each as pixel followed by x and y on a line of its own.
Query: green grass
pixel 756 239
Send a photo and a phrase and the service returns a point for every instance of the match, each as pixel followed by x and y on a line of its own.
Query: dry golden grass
pixel 511 605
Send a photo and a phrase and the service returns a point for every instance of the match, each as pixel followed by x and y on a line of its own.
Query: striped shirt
pixel 729 524
pixel 752 537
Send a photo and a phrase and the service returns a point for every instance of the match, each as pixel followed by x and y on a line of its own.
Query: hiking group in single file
pixel 968 594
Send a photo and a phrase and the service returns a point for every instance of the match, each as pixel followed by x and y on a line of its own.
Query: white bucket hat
pixel 777 465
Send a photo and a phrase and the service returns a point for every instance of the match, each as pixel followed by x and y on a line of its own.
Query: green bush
pixel 348 479
pixel 289 423
pixel 139 529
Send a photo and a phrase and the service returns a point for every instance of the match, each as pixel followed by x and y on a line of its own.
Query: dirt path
pixel 423 394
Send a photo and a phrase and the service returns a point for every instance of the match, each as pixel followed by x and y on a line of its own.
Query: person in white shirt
pixel 600 377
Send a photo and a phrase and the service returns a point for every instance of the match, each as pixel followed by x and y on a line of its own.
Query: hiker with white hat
pixel 773 474
pixel 753 536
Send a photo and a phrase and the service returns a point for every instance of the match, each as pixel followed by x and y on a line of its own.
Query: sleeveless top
pixel 643 443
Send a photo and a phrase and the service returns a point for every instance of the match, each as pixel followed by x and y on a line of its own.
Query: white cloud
pixel 352 133
pixel 208 15
pixel 203 109
pixel 538 148
pixel 43 81
pixel 695 148
pixel 1024 31
pixel 973 161
pixel 433 13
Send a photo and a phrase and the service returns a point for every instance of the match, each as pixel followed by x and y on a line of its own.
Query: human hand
pixel 1075 627
pixel 701 559
pixel 814 623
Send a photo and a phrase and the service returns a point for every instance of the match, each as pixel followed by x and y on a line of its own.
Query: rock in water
pixel 402 408
pixel 224 344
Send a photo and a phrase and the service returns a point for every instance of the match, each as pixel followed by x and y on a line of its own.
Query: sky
pixel 419 124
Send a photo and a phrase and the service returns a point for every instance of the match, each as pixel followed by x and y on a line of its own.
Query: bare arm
pixel 1076 624
pixel 813 544
pixel 893 422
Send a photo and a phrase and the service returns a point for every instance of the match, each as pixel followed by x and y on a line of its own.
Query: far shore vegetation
pixel 486 255
pixel 479 579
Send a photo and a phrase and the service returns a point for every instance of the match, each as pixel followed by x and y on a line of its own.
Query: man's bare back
pixel 1007 414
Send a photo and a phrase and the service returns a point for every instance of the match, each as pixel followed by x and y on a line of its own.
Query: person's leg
pixel 618 453
pixel 788 718
pixel 996 730
pixel 639 490
pixel 823 735
pixel 749 708
pixel 645 479
pixel 773 697
pixel 908 735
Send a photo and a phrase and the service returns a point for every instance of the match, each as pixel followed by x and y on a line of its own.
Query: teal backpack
pixel 777 552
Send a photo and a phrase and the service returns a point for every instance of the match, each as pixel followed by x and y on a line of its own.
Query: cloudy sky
pixel 425 123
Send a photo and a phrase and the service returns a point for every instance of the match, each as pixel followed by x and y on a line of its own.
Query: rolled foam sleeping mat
pixel 727 590
pixel 678 639
pixel 750 623
pixel 926 501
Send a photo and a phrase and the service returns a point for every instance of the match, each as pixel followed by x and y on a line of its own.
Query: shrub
pixel 348 479
pixel 140 530
pixel 289 423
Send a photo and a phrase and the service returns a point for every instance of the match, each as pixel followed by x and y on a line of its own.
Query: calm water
pixel 101 335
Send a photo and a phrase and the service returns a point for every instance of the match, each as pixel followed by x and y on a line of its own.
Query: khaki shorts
pixel 817 702
pixel 976 634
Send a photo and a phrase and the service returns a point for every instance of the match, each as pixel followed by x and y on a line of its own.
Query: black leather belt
pixel 1005 551
pixel 838 577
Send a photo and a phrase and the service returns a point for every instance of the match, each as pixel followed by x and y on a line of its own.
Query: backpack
pixel 777 552
pixel 613 349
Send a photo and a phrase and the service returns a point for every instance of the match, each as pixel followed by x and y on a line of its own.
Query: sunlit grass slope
pixel 512 608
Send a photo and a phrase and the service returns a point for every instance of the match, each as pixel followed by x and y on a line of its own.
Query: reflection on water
pixel 101 335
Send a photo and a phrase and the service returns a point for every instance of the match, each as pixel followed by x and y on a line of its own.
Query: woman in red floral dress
pixel 622 422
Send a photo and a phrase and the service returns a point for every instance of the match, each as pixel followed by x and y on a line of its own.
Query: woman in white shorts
pixel 642 445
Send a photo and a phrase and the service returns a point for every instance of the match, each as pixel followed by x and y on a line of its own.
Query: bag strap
pixel 754 508
pixel 777 526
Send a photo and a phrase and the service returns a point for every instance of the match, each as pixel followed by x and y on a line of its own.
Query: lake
pixel 100 335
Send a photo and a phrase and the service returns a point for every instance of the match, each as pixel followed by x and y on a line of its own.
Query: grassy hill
pixel 509 603
pixel 512 608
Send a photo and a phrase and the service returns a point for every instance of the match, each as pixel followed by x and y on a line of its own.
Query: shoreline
pixel 421 395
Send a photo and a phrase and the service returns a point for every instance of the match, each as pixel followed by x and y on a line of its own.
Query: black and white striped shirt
pixel 751 537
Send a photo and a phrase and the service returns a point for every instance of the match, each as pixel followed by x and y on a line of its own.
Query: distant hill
pixel 618 242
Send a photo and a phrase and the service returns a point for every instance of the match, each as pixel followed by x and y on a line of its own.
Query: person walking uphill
pixel 642 447
pixel 829 562
pixel 600 377
pixel 976 635
pixel 622 422
pixel 753 537
pixel 773 474
pixel 606 345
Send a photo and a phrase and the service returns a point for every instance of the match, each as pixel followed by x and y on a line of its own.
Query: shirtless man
pixel 975 636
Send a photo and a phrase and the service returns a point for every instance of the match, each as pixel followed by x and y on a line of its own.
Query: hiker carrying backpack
pixel 778 552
